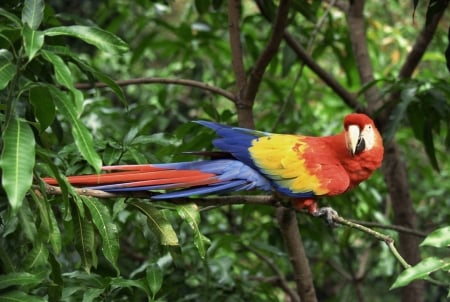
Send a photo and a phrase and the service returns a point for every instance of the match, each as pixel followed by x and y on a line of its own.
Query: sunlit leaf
pixel 32 13
pixel 157 222
pixel 191 215
pixel 17 161
pixel 95 36
pixel 438 238
pixel 33 41
pixel 421 270
pixel 107 229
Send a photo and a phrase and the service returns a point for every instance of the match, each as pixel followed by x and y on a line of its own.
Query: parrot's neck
pixel 359 167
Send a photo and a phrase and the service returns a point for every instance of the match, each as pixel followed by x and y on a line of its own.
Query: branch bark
pixel 287 222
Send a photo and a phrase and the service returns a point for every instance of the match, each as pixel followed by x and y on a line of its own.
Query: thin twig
pixel 280 278
pixel 175 81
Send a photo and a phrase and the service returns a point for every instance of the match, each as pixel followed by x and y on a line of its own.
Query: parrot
pixel 301 168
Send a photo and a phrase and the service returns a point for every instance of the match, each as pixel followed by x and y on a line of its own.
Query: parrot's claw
pixel 327 213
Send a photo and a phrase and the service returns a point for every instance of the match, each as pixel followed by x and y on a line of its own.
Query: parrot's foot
pixel 327 213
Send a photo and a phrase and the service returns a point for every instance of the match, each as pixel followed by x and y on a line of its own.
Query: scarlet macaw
pixel 302 168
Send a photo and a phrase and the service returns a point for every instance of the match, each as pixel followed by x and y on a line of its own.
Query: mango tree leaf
pixel 107 229
pixel 438 238
pixel 7 68
pixel 19 279
pixel 157 222
pixel 154 277
pixel 84 238
pixel 32 13
pixel 421 270
pixel 15 296
pixel 33 41
pixel 11 17
pixel 44 108
pixel 190 214
pixel 103 40
pixel 37 256
pixel 120 282
pixel 63 74
pixel 17 161
pixel 83 139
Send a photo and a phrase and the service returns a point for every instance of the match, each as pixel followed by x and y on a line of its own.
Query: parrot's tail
pixel 176 179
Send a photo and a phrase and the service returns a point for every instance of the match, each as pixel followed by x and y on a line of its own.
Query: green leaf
pixel 191 215
pixel 154 277
pixel 16 296
pixel 37 257
pixel 57 284
pixel 421 270
pixel 438 238
pixel 63 74
pixel 17 161
pixel 428 143
pixel 107 229
pixel 11 17
pixel 83 139
pixel 157 222
pixel 19 279
pixel 103 40
pixel 121 283
pixel 44 108
pixel 84 238
pixel 32 13
pixel 33 41
pixel 7 68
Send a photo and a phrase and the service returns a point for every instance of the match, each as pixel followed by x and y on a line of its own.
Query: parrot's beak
pixel 353 138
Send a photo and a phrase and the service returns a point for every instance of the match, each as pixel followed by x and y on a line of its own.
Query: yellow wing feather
pixel 280 157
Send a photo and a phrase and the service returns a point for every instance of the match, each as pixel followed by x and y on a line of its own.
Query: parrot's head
pixel 361 135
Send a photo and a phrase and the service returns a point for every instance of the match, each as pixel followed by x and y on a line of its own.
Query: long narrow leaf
pixel 190 214
pixel 107 229
pixel 95 36
pixel 19 279
pixel 17 161
pixel 7 68
pixel 32 13
pixel 84 238
pixel 15 296
pixel 33 41
pixel 157 222
pixel 83 139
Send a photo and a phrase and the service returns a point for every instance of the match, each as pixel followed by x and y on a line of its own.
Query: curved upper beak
pixel 353 136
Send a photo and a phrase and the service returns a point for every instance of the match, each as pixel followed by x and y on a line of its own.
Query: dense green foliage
pixel 67 247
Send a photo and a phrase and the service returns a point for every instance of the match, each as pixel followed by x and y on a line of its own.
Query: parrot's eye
pixel 360 145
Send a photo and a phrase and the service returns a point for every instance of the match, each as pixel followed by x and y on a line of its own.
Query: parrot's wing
pixel 300 166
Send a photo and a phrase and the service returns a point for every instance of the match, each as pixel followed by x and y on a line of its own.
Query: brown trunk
pixel 394 171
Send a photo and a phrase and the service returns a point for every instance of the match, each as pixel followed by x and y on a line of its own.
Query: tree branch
pixel 357 32
pixel 330 81
pixel 287 221
pixel 279 24
pixel 183 82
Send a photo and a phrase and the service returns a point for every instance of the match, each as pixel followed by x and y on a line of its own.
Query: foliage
pixel 70 248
